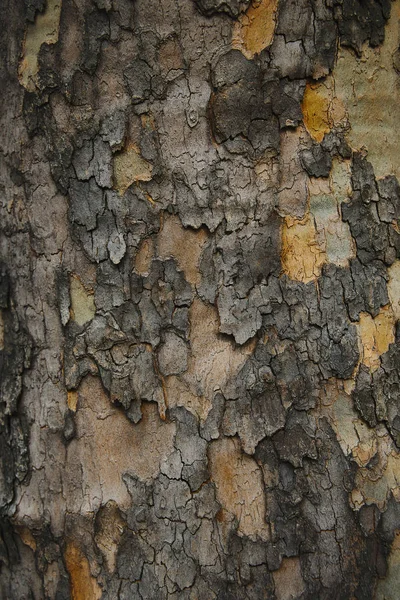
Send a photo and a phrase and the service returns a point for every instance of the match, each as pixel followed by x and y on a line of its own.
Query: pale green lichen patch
pixel 43 31
pixel 130 167
pixel 334 235
pixel 82 302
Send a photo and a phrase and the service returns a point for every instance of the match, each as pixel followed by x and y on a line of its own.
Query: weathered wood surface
pixel 199 300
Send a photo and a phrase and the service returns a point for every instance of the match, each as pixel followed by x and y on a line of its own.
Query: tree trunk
pixel 199 300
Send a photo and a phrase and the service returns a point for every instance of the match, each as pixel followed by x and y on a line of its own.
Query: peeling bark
pixel 199 300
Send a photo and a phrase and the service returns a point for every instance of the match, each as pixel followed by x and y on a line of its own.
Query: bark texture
pixel 200 300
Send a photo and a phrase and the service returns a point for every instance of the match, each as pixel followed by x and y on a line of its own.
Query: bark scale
pixel 199 300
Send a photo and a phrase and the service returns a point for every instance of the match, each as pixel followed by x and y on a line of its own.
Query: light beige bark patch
pixel 368 86
pixel 293 192
pixel 288 580
pixel 394 288
pixel 110 527
pixel 376 334
pixel 129 166
pixel 144 257
pixel 43 31
pixel 240 490
pixel 170 58
pixel 254 30
pixel 356 439
pixel 183 244
pixel 340 180
pixel 83 585
pixel 107 445
pixel 83 308
pixel 374 484
pixel 212 361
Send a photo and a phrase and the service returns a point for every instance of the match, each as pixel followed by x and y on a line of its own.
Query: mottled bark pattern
pixel 200 300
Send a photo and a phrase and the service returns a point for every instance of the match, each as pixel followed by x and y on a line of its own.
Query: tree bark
pixel 199 300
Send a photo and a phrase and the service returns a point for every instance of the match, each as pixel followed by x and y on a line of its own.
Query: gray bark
pixel 199 300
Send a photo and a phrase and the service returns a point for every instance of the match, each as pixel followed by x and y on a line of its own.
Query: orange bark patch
pixel 254 30
pixel 83 585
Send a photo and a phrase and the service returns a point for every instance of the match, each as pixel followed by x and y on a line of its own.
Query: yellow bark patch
pixel 288 580
pixel 394 288
pixel 107 445
pixel 239 486
pixel 212 361
pixel 83 308
pixel 183 244
pixel 83 585
pixel 254 30
pixel 43 31
pixel 302 254
pixel 376 334
pixel 315 107
pixel 129 167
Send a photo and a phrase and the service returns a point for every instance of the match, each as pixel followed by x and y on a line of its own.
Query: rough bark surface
pixel 200 300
